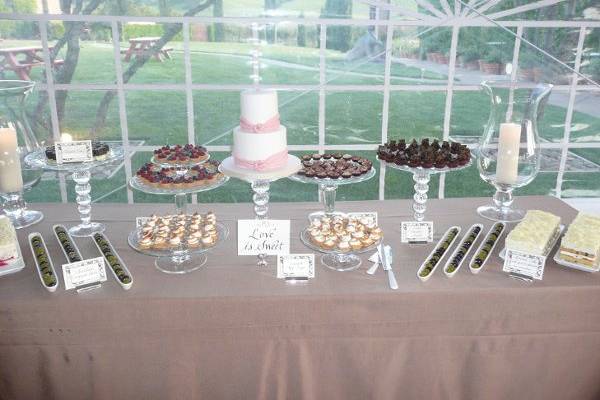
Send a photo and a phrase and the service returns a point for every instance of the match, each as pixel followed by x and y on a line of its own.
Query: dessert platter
pixel 536 234
pixel 179 179
pixel 422 160
pixel 11 259
pixel 434 259
pixel 178 155
pixel 260 154
pixel 43 262
pixel 580 246
pixel 178 241
pixel 485 249
pixel 116 265
pixel 81 173
pixel 330 170
pixel 341 238
pixel 462 251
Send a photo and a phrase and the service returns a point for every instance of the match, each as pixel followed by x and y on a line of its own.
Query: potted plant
pixel 492 63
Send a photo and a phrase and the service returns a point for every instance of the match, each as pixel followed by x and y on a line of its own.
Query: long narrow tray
pixel 124 285
pixel 37 263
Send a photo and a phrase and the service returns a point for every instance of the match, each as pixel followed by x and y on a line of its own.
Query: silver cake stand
pixel 260 182
pixel 81 174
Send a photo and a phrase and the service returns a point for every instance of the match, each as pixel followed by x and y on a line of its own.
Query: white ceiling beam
pixel 489 4
pixel 398 9
pixel 523 8
pixel 431 8
pixel 447 8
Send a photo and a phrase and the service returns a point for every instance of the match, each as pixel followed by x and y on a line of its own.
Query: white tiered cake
pixel 259 142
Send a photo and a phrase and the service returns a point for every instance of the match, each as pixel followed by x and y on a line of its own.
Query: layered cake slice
pixel 534 233
pixel 581 243
pixel 8 240
pixel 259 142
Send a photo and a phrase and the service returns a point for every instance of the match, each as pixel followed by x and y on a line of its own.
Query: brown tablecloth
pixel 232 331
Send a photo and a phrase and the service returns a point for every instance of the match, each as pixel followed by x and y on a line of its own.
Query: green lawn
pixel 159 117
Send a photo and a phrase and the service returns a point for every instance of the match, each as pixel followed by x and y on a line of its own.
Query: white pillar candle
pixel 10 163
pixel 507 167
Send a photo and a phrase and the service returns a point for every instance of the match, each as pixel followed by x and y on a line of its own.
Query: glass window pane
pixel 353 117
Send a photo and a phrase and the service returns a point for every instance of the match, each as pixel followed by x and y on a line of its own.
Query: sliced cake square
pixel 581 243
pixel 534 233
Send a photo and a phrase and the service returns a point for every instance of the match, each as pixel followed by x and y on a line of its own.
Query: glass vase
pixel 509 151
pixel 14 122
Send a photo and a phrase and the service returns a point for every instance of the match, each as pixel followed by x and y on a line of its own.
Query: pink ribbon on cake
pixel 5 261
pixel 270 125
pixel 273 162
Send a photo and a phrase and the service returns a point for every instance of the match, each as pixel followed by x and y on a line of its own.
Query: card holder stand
pixel 89 287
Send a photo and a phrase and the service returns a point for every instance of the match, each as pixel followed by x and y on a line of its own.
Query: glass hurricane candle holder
pixel 509 151
pixel 17 140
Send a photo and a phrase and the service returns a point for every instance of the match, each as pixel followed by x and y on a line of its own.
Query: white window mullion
pixel 322 83
pixel 385 114
pixel 449 93
pixel 569 116
pixel 189 95
pixel 122 108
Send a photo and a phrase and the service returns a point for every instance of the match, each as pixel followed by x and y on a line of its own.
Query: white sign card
pixel 263 236
pixel 416 231
pixel 371 216
pixel 84 272
pixel 296 266
pixel 74 152
pixel 529 265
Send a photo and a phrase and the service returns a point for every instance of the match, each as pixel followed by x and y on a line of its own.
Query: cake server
pixel 385 253
pixel 375 260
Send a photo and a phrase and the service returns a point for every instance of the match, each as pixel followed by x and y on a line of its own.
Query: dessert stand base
pixel 341 262
pixel 321 214
pixel 498 214
pixel 180 264
pixel 25 218
pixel 84 230
pixel 229 168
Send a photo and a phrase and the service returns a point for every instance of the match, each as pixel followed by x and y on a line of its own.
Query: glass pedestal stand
pixel 501 209
pixel 421 177
pixel 335 259
pixel 81 174
pixel 180 260
pixel 260 182
pixel 16 209
pixel 328 189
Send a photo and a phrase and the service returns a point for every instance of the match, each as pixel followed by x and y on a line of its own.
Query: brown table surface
pixel 231 330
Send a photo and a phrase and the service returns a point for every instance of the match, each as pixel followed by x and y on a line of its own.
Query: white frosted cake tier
pixel 267 148
pixel 258 106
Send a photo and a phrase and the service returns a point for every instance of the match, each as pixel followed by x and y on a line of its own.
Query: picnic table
pixel 141 45
pixel 21 60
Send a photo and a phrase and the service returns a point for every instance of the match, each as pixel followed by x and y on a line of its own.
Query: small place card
pixel 524 264
pixel 296 266
pixel 416 232
pixel 371 216
pixel 84 272
pixel 263 236
pixel 73 152
pixel 140 221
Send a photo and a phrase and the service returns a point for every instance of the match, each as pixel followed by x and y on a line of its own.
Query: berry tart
pixel 426 155
pixel 173 178
pixel 178 154
pixel 334 166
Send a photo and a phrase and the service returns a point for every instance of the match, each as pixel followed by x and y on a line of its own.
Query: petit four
pixel 534 233
pixel 175 231
pixel 334 166
pixel 427 154
pixel 173 178
pixel 179 154
pixel 343 234
pixel 99 151
pixel 581 243
pixel 8 240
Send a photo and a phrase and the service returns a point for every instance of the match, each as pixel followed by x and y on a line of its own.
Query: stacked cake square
pixel 535 233
pixel 581 243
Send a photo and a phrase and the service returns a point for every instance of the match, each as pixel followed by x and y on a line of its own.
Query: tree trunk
pixel 139 61
pixel 219 35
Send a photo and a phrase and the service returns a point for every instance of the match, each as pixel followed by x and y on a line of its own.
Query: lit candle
pixel 507 167
pixel 66 138
pixel 10 163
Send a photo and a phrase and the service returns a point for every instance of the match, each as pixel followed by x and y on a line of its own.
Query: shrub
pixel 594 69
pixel 470 55
pixel 494 57
pixel 338 37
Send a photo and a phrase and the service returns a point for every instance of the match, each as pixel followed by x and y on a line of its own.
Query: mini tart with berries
pixel 426 154
pixel 172 178
pixel 178 154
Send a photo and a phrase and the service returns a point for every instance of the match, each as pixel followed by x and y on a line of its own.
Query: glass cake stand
pixel 421 177
pixel 328 188
pixel 180 260
pixel 81 174
pixel 336 259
